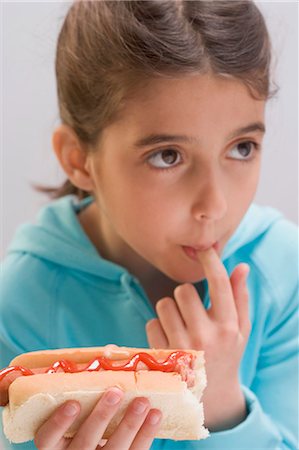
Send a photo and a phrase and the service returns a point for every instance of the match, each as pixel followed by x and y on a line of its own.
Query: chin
pixel 182 277
pixel 191 280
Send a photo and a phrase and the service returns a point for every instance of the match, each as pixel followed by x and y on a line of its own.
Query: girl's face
pixel 178 171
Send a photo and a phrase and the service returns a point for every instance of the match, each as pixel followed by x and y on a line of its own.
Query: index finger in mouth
pixel 221 294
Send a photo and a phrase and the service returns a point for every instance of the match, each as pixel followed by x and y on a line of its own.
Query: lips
pixel 202 248
pixel 192 251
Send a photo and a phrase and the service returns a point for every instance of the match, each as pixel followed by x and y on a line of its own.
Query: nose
pixel 209 200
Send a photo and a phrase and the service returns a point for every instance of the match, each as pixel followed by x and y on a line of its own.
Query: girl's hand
pixel 136 431
pixel 221 331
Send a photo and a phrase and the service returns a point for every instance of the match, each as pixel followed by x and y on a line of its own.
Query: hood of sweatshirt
pixel 58 237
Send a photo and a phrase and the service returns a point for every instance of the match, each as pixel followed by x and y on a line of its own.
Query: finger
pixel 172 323
pixel 155 334
pixel 148 431
pixel 191 308
pixel 50 434
pixel 91 431
pixel 241 295
pixel 129 426
pixel 222 301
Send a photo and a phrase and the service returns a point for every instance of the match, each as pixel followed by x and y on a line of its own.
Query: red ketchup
pixel 11 369
pixel 171 364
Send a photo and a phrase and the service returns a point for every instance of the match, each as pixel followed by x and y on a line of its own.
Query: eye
pixel 246 150
pixel 165 159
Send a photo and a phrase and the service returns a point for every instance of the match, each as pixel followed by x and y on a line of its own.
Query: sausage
pixel 8 379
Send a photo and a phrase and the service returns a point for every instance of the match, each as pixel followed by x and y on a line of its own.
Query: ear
pixel 72 156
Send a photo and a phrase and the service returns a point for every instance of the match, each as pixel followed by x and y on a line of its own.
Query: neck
pixel 111 247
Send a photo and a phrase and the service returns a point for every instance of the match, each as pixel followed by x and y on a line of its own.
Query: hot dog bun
pixel 32 399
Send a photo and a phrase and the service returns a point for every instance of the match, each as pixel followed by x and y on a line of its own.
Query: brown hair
pixel 106 48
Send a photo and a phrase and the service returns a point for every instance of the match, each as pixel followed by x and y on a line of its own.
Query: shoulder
pixel 27 302
pixel 268 242
pixel 275 256
pixel 23 273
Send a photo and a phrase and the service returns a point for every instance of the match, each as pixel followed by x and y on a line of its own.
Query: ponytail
pixel 67 188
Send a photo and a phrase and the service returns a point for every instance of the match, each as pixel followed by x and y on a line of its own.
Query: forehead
pixel 203 94
pixel 193 104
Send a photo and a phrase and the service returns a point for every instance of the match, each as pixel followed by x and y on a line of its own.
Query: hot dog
pixel 36 383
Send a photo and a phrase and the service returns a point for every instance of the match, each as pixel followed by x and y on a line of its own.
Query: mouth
pixel 192 251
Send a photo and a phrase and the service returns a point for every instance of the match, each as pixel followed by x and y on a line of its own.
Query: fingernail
pixel 70 409
pixel 114 396
pixel 154 418
pixel 139 407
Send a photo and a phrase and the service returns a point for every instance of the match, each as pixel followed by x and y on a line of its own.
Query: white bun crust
pixel 33 399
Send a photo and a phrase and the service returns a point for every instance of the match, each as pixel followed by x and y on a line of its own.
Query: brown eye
pixel 169 156
pixel 165 159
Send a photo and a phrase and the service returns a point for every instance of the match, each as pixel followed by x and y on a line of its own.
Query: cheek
pixel 251 184
pixel 242 197
pixel 134 206
pixel 151 214
pixel 147 197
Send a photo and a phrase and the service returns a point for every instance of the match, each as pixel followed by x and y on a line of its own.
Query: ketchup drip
pixel 169 365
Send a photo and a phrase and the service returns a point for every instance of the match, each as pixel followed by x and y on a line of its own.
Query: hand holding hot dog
pixel 221 331
pixel 172 381
pixel 136 431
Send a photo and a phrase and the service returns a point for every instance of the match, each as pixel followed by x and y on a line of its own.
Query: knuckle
pixel 131 423
pixel 102 414
pixel 221 280
pixel 135 413
pixel 42 435
pixel 197 342
pixel 148 431
pixel 229 329
pixel 176 336
pixel 207 345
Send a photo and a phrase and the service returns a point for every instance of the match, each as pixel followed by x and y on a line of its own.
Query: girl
pixel 150 240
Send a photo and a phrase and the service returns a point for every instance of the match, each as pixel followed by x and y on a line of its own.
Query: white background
pixel 29 110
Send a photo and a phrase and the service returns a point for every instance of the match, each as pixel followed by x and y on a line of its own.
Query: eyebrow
pixel 154 139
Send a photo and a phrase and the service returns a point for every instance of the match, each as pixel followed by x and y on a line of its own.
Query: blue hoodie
pixel 56 291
